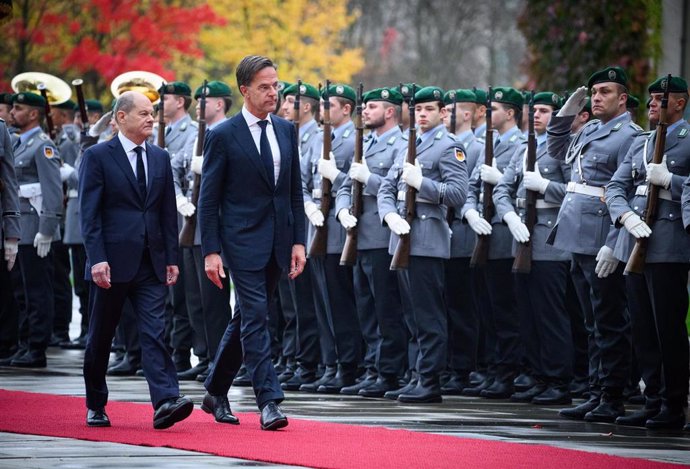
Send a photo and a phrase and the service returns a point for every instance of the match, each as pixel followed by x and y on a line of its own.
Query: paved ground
pixel 458 416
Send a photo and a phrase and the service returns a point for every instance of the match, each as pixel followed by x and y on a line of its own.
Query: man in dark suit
pixel 129 225
pixel 251 210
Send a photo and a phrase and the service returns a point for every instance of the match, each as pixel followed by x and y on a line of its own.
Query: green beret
pixel 306 90
pixel 632 102
pixel 282 85
pixel 93 105
pixel 341 91
pixel 428 94
pixel 69 105
pixel 390 95
pixel 548 98
pixel 461 96
pixel 609 74
pixel 6 98
pixel 29 99
pixel 678 85
pixel 214 89
pixel 177 88
pixel 507 95
pixel 481 96
pixel 405 90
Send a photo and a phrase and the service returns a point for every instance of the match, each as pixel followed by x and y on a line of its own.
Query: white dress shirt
pixel 129 145
pixel 254 128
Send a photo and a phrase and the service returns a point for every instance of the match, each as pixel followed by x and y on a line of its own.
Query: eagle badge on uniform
pixel 459 155
pixel 48 152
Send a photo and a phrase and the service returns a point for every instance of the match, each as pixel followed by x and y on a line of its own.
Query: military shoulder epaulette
pixel 346 133
pixel 617 126
pixel 683 133
pixel 306 136
pixel 392 140
pixel 438 135
pixel 636 127
pixel 515 137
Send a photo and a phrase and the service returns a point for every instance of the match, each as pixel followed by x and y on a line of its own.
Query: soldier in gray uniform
pixel 658 302
pixel 376 287
pixel 37 165
pixel 479 116
pixel 180 134
pixel 440 177
pixel 463 317
pixel 314 337
pixel 584 229
pixel 5 108
pixel 505 108
pixel 9 236
pixel 333 281
pixel 544 321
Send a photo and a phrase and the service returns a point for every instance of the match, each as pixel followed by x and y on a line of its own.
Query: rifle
pixel 349 255
pixel 78 86
pixel 481 249
pixel 318 244
pixel 523 257
pixel 49 115
pixel 161 119
pixel 401 257
pixel 638 257
pixel 450 214
pixel 297 107
pixel 189 228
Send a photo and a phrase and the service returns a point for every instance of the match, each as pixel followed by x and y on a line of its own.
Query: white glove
pixel 42 244
pixel 412 174
pixel 477 223
pixel 397 224
pixel 575 103
pixel 313 213
pixel 347 219
pixel 195 165
pixel 11 248
pixel 65 172
pixel 327 168
pixel 517 228
pixel 360 172
pixel 184 206
pixel 534 181
pixel 634 224
pixel 658 174
pixel 490 174
pixel 606 263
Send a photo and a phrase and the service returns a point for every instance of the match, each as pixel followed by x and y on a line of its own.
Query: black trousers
pixel 81 286
pixel 463 320
pixel 215 306
pixel 9 310
pixel 37 278
pixel 578 332
pixel 319 297
pixel 62 290
pixel 191 259
pixel 288 313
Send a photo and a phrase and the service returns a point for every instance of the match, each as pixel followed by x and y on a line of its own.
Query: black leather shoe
pixel 498 390
pixel 528 395
pixel 328 374
pixel 193 372
pixel 18 353
pixel 288 372
pixel 57 339
pixel 355 388
pixel 474 391
pixel 219 406
pixel 301 376
pixel 455 385
pixel 579 412
pixel 172 411
pixel 608 410
pixel 242 379
pixel 637 418
pixel 140 373
pixel 667 419
pixel 422 395
pixel 579 389
pixel 395 393
pixel 272 417
pixel 97 418
pixel 523 382
pixel 31 359
pixel 554 395
pixel 201 377
pixel 344 377
pixel 379 388
pixel 128 366
pixel 477 378
pixel 77 344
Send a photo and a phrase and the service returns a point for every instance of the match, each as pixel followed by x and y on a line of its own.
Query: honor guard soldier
pixel 314 336
pixel 463 317
pixel 584 228
pixel 505 108
pixel 658 303
pixel 5 108
pixel 479 117
pixel 376 287
pixel 544 320
pixel 440 177
pixel 37 165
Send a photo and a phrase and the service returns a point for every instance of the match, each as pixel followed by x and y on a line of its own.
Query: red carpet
pixel 304 442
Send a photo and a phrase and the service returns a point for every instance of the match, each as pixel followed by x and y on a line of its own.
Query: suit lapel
pixel 246 142
pixel 121 160
pixel 153 168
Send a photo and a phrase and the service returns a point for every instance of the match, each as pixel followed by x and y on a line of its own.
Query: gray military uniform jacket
pixel 69 145
pixel 627 191
pixel 464 238
pixel 343 147
pixel 444 184
pixel 180 145
pixel 595 153
pixel 379 157
pixel 501 244
pixel 9 189
pixel 37 165
pixel 510 191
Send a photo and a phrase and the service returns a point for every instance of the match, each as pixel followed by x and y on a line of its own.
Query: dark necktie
pixel 168 129
pixel 265 151
pixel 141 173
pixel 418 141
pixel 17 144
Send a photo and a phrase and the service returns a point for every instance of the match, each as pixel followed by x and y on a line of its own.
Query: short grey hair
pixel 249 67
pixel 124 103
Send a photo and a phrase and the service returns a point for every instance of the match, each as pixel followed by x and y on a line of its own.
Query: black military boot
pixel 609 409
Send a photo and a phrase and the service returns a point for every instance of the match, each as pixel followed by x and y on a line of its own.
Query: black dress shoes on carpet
pixel 219 406
pixel 172 411
pixel 272 417
pixel 97 418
